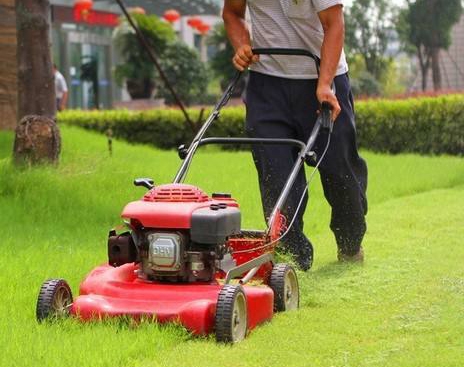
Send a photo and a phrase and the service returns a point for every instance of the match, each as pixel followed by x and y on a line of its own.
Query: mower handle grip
pixel 285 51
pixel 326 116
pixel 289 52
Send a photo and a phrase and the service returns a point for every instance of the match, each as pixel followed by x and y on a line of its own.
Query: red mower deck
pixel 110 292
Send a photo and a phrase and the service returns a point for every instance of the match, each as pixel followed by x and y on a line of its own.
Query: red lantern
pixel 82 9
pixel 194 22
pixel 171 15
pixel 203 28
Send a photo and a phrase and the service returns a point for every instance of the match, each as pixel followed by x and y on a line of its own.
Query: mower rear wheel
pixel 231 322
pixel 284 282
pixel 54 301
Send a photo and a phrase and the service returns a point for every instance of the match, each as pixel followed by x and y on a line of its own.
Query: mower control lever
pixel 326 115
pixel 311 158
pixel 145 182
pixel 182 151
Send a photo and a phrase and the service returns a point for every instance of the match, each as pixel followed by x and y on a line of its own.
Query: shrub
pixel 220 61
pixel 420 125
pixel 365 85
pixel 187 73
pixel 136 68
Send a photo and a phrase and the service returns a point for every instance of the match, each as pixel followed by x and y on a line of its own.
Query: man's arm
pixel 238 34
pixel 334 34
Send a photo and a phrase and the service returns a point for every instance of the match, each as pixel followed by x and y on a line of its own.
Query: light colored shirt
pixel 60 85
pixel 289 24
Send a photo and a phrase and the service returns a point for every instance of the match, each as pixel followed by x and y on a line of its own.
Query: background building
pixel 76 41
pixel 207 10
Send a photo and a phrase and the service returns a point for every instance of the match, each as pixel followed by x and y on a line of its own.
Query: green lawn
pixel 404 307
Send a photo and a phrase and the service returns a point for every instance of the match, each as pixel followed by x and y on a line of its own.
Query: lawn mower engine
pixel 178 234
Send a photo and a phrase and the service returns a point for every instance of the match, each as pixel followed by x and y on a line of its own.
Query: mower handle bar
pixel 267 51
pixel 323 121
pixel 289 52
pixel 180 176
pixel 264 141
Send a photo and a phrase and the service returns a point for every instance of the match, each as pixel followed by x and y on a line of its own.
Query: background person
pixel 282 100
pixel 61 90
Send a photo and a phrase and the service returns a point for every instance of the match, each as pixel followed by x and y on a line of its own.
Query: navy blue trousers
pixel 287 108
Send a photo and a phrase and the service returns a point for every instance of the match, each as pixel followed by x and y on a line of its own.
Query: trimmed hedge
pixel 163 128
pixel 431 125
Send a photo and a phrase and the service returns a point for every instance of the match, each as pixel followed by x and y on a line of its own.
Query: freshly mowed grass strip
pixel 404 307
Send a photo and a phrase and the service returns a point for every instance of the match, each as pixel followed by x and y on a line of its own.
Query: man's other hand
pixel 325 94
pixel 244 57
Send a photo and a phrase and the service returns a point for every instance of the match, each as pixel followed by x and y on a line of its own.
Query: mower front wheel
pixel 284 282
pixel 231 321
pixel 54 301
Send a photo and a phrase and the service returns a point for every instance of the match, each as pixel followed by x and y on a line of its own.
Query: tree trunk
pixel 425 75
pixel 371 65
pixel 436 73
pixel 36 86
pixel 424 61
pixel 8 81
pixel 37 140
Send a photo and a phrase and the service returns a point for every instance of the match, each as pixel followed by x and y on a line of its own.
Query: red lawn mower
pixel 184 257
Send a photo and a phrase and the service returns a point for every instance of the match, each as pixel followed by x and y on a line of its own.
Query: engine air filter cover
pixel 215 223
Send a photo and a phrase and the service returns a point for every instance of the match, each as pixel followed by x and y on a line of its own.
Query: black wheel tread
pixel 277 284
pixel 46 295
pixel 224 312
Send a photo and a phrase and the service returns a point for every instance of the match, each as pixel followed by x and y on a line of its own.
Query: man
pixel 61 89
pixel 283 98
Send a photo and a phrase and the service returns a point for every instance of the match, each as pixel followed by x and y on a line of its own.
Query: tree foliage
pixel 365 85
pixel 426 25
pixel 137 68
pixel 368 27
pixel 221 62
pixel 187 73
